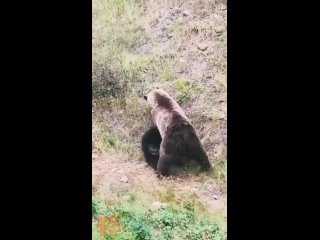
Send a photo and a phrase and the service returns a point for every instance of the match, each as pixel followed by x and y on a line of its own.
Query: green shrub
pixel 165 223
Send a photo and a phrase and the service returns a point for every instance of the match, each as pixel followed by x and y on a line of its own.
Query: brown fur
pixel 179 139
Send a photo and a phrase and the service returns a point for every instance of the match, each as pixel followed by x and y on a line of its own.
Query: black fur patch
pixel 151 141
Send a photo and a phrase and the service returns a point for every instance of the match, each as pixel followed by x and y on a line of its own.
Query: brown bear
pixel 180 142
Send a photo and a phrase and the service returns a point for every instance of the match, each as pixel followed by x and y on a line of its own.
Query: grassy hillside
pixel 179 46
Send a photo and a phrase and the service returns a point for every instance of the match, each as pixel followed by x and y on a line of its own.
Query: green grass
pixel 115 31
pixel 186 89
pixel 170 222
pixel 106 140
pixel 221 80
pixel 179 28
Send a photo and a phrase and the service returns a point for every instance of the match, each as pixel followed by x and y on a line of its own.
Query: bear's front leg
pixel 164 164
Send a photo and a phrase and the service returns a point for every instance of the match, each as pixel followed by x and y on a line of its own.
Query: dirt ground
pixel 109 175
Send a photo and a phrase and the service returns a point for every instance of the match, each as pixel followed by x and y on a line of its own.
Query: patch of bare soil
pixel 113 173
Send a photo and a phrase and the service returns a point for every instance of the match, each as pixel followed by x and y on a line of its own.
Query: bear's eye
pixel 145 97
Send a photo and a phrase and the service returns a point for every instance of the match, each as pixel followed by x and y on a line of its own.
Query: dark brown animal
pixel 179 139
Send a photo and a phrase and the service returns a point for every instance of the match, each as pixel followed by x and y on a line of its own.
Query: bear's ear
pixel 145 98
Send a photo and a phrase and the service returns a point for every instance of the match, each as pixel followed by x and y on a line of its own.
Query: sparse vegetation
pixel 179 46
pixel 169 222
pixel 186 90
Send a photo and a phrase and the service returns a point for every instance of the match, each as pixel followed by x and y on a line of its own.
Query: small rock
pixel 127 197
pixel 215 197
pixel 119 171
pixel 182 60
pixel 176 9
pixel 193 189
pixel 157 205
pixel 202 46
pixel 223 116
pixel 124 179
pixel 186 13
pixel 94 156
pixel 218 151
pixel 170 35
pixel 180 20
pixel 219 30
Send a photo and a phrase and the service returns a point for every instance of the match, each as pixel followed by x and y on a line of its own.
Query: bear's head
pixel 158 98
